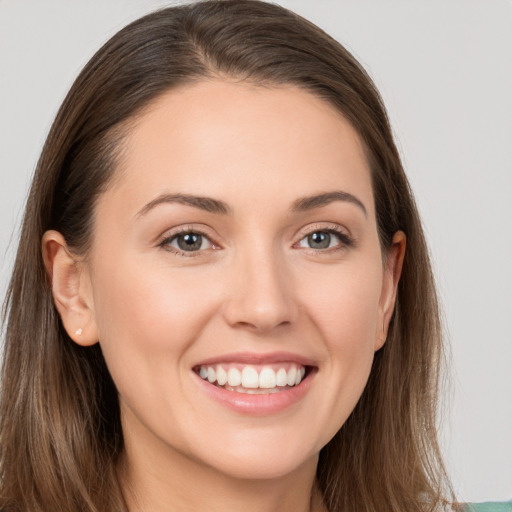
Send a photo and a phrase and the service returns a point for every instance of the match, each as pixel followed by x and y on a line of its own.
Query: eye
pixel 187 242
pixel 325 239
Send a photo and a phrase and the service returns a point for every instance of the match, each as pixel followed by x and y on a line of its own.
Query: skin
pixel 255 286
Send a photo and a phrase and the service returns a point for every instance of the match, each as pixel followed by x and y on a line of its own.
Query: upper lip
pixel 256 358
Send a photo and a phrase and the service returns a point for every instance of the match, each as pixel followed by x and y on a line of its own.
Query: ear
pixel 70 288
pixel 392 272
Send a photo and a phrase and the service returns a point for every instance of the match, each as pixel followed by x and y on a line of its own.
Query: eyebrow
pixel 207 204
pixel 318 200
pixel 211 205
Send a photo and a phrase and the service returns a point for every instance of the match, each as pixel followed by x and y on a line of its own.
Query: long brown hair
pixel 60 431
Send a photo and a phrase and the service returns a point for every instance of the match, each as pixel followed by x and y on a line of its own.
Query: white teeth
pixel 248 379
pixel 281 377
pixel 212 376
pixel 234 377
pixel 267 378
pixel 222 376
pixel 292 373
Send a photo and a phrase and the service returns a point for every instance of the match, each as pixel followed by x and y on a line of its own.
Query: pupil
pixel 190 242
pixel 319 240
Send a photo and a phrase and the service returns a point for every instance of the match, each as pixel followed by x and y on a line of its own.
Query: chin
pixel 265 457
pixel 257 468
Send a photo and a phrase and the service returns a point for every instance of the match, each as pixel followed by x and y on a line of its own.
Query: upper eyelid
pixel 323 226
pixel 173 232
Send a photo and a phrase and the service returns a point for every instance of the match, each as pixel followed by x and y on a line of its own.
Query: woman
pixel 233 302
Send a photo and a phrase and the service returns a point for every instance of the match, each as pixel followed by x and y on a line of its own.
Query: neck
pixel 166 480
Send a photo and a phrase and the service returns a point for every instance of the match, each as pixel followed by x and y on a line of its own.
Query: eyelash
pixel 166 241
pixel 346 241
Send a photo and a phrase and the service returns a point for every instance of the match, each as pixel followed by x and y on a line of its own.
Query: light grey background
pixel 445 71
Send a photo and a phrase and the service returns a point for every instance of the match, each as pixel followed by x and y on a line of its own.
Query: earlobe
pixel 70 294
pixel 392 272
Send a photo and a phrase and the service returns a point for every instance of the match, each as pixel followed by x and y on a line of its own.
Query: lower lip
pixel 257 405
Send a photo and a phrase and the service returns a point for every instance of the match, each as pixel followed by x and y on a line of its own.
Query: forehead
pixel 241 143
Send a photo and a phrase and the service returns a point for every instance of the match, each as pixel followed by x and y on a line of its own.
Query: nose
pixel 260 295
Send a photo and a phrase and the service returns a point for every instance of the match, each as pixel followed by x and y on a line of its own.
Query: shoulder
pixel 488 507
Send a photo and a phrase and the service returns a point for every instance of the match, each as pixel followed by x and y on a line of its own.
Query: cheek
pixel 344 307
pixel 344 304
pixel 148 320
pixel 148 317
pixel 141 299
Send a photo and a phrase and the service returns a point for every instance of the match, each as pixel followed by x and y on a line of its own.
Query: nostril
pixel 261 326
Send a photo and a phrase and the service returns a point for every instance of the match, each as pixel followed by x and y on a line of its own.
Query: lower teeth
pixel 255 391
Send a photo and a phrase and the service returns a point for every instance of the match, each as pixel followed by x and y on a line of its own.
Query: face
pixel 236 280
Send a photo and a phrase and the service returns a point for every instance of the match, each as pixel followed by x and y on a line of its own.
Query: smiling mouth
pixel 254 379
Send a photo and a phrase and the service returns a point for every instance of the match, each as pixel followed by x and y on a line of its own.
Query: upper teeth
pixel 252 377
